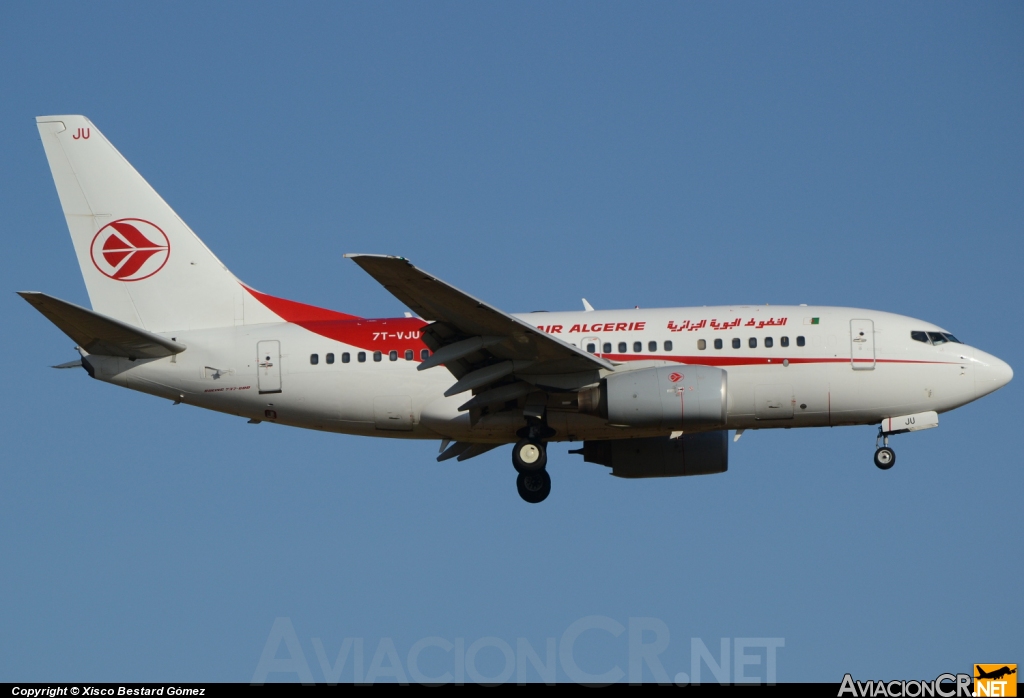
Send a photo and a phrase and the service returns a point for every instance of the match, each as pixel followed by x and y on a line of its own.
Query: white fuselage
pixel 794 366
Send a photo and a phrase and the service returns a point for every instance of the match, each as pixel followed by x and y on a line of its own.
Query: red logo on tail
pixel 130 249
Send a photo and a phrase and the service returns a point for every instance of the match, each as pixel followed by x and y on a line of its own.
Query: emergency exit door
pixel 268 366
pixel 862 345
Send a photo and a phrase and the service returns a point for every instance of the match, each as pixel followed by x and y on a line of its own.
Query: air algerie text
pixel 672 326
pixel 598 327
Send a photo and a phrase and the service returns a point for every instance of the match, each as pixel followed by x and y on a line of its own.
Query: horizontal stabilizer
pixel 99 334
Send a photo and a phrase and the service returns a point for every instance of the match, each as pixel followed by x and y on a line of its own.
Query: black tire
pixel 529 456
pixel 534 487
pixel 885 458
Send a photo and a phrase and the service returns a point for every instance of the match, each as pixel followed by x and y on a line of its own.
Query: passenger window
pixel 937 338
pixel 591 347
pixel 652 346
pixel 376 356
pixel 768 342
pixel 314 359
pixel 345 357
pixel 784 341
pixel 408 354
pixel 736 342
pixel 668 346
pixel 393 355
pixel 701 344
pixel 622 347
pixel 919 337
pixel 638 347
pixel 752 342
pixel 330 358
pixel 361 356
pixel 718 344
pixel 424 354
pixel 607 347
pixel 800 341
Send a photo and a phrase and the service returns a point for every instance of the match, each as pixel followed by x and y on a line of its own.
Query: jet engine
pixel 691 454
pixel 680 397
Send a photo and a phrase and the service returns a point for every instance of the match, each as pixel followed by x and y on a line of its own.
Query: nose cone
pixel 991 373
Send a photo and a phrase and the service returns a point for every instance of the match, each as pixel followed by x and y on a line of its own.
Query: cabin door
pixel 268 366
pixel 862 345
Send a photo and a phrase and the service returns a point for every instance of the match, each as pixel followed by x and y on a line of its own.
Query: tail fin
pixel 142 265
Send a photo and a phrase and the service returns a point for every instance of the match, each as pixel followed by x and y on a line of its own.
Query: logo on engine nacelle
pixel 675 377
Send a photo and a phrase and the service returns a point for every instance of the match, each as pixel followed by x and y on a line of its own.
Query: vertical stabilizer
pixel 142 265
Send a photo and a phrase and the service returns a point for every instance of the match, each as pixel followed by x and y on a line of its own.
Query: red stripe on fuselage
pixel 299 313
pixel 755 360
pixel 388 334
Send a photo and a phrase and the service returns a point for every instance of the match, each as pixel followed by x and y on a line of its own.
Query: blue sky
pixel 660 154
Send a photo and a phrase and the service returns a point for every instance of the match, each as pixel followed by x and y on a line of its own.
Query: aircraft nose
pixel 991 374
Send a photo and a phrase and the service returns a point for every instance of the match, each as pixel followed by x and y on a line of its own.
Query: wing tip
pixel 31 297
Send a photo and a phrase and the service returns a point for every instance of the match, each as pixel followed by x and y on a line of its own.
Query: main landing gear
pixel 529 458
pixel 529 455
pixel 885 457
pixel 534 487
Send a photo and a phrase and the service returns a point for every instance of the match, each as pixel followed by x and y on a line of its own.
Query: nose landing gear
pixel 885 457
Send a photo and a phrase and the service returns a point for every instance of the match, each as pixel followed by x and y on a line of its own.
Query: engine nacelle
pixel 691 454
pixel 672 398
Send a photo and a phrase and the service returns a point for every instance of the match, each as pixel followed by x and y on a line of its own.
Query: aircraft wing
pixel 478 343
pixel 99 334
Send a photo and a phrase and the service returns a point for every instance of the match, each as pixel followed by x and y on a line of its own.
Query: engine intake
pixel 665 397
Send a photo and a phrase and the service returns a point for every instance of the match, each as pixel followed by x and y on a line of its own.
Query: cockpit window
pixel 935 338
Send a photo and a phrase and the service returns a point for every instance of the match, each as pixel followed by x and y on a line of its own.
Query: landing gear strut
pixel 885 457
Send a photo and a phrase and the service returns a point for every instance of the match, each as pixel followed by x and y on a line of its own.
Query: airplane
pixel 647 392
pixel 996 674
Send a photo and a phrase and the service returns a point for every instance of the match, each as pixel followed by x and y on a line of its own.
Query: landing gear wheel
pixel 885 458
pixel 529 456
pixel 534 487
